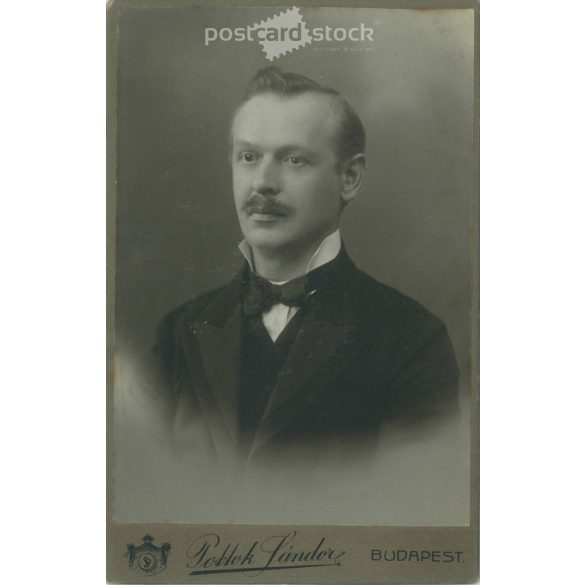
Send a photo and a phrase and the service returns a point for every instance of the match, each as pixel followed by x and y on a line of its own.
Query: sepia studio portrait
pixel 293 272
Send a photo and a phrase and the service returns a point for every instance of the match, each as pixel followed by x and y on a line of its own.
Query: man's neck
pixel 279 267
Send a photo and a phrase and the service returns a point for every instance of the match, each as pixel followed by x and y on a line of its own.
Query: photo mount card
pixel 293 311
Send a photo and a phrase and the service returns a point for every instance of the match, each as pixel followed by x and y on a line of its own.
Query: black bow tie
pixel 262 294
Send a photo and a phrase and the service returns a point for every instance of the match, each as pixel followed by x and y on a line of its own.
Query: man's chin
pixel 266 242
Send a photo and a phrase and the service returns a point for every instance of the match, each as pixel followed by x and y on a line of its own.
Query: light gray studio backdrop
pixel 410 228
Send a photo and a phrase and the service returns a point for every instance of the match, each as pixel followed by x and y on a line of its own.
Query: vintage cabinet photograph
pixel 293 296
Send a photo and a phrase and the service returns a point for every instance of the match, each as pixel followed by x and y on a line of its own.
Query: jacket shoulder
pixel 167 346
pixel 383 303
pixel 198 308
pixel 419 351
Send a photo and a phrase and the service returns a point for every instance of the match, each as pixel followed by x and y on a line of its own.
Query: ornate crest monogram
pixel 148 558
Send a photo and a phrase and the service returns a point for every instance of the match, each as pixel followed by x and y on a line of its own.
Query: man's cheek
pixel 241 177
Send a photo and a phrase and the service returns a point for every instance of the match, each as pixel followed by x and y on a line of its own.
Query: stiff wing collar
pixel 328 250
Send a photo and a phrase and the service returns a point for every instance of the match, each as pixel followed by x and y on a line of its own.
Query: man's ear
pixel 353 174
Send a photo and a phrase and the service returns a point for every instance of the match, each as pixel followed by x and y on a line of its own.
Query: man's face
pixel 287 189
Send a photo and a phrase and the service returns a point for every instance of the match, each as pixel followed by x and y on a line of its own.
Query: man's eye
pixel 248 157
pixel 296 161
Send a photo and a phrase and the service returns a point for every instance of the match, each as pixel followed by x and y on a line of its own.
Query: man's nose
pixel 267 178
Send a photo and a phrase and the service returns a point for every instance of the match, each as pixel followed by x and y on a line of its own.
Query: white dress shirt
pixel 278 316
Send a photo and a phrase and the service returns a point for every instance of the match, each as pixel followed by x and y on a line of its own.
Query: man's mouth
pixel 265 217
pixel 265 213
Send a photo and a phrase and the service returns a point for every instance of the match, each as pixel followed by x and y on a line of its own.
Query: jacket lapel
pixel 212 343
pixel 320 346
pixel 220 351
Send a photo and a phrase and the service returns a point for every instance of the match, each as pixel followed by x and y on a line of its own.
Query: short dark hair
pixel 351 138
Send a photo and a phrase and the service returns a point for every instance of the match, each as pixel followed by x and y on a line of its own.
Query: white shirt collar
pixel 327 251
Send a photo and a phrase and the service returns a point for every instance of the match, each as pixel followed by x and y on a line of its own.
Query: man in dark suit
pixel 302 357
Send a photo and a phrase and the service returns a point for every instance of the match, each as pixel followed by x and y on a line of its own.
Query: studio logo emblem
pixel 148 559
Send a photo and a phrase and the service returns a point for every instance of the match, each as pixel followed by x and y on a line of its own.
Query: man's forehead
pixel 307 117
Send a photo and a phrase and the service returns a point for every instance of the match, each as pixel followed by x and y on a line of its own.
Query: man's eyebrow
pixel 284 148
pixel 244 144
pixel 295 147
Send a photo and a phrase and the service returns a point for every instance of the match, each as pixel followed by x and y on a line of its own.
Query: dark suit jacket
pixel 365 355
